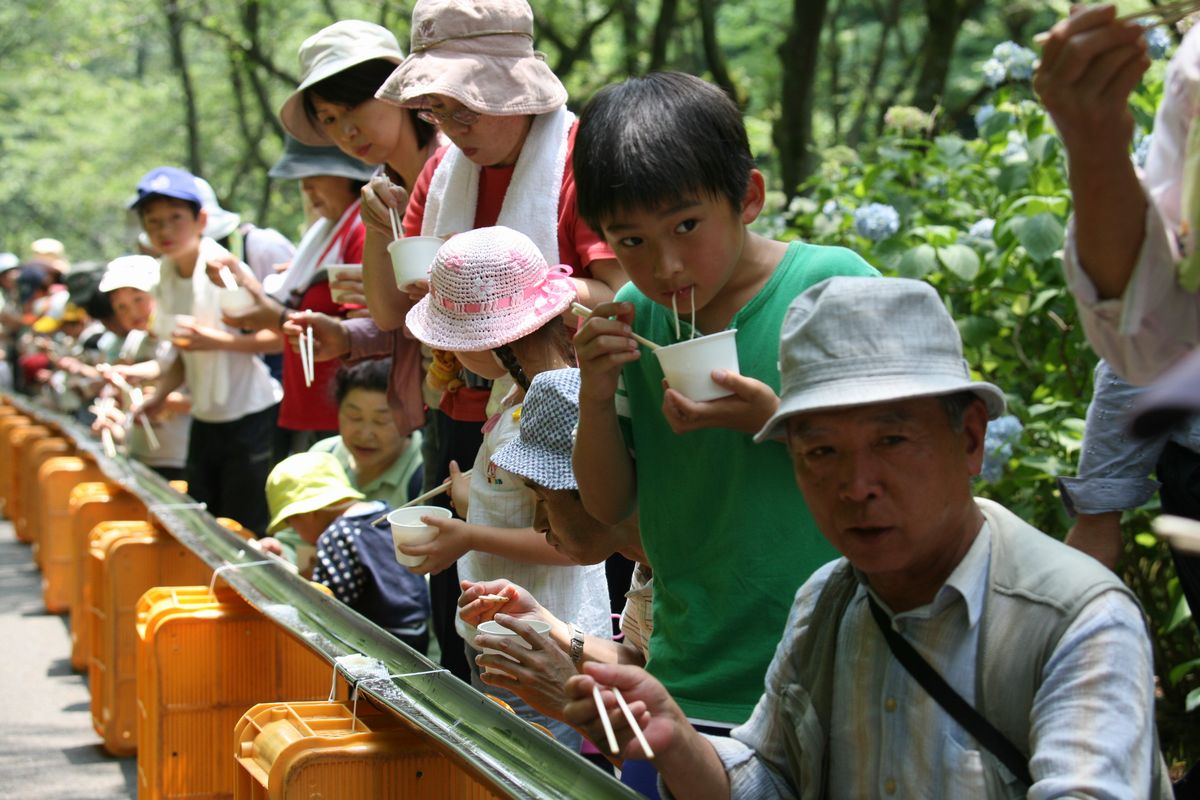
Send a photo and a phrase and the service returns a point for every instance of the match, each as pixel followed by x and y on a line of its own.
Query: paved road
pixel 48 750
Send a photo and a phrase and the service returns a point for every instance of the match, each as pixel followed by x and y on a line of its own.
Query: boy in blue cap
pixel 234 397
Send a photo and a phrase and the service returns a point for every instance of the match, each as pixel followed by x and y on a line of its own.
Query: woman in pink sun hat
pixel 497 305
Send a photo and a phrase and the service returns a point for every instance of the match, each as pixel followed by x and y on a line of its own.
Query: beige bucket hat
pixel 479 53
pixel 327 52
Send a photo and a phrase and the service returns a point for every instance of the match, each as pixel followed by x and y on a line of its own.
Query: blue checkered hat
pixel 542 451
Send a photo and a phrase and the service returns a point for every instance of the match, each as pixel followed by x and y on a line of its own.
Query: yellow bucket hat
pixel 306 482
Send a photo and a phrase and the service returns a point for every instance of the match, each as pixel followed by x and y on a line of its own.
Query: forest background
pixel 904 129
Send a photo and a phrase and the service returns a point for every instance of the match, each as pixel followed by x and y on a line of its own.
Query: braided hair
pixel 556 331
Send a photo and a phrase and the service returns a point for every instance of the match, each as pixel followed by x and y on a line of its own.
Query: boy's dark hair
pixel 358 84
pixel 648 142
pixel 151 198
pixel 369 375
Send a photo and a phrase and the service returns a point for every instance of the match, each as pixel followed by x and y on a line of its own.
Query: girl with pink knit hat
pixel 495 303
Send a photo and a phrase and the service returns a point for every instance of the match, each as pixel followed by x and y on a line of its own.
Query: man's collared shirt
pixel 1090 727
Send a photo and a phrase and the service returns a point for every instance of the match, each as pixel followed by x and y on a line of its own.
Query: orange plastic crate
pixel 125 559
pixel 34 455
pixel 8 424
pixel 90 505
pixel 21 439
pixel 203 659
pixel 298 751
pixel 51 504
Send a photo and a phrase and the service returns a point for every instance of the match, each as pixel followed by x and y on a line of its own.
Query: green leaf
pixel 936 235
pixel 977 330
pixel 1193 700
pixel 1014 177
pixel 1041 236
pixel 1180 670
pixel 1148 540
pixel 1043 297
pixel 959 259
pixel 1036 204
pixel 917 262
pixel 1180 615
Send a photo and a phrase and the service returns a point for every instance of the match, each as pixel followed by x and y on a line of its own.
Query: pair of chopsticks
pixel 307 362
pixel 136 399
pixel 227 278
pixel 104 405
pixel 421 498
pixel 397 228
pixel 580 310
pixel 607 723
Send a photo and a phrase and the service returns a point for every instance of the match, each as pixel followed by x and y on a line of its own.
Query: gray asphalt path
pixel 48 750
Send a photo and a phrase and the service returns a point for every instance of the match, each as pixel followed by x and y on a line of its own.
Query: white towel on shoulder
pixel 531 202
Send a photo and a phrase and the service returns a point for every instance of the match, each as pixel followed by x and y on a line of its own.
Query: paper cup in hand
pixel 407 528
pixel 235 301
pixel 493 628
pixel 341 272
pixel 411 258
pixel 688 366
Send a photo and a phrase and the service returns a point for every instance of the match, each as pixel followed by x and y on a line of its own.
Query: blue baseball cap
pixel 168 182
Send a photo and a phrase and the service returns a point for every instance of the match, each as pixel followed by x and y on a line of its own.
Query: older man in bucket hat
pixel 954 651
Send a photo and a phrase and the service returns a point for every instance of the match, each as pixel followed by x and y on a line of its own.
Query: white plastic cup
pixel 305 555
pixel 407 528
pixel 339 272
pixel 235 301
pixel 493 628
pixel 412 257
pixel 688 366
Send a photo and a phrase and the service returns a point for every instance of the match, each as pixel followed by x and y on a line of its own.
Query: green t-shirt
pixel 723 523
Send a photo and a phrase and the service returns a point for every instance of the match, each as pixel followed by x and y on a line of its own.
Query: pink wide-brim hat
pixel 488 287
pixel 479 53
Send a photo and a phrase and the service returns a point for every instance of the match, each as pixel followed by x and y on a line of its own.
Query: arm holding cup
pixel 388 305
pixel 455 537
pixel 602 464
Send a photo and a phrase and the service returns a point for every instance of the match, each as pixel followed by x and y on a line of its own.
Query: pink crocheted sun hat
pixel 488 287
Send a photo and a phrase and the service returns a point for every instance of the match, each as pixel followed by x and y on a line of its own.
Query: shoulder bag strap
pixel 951 701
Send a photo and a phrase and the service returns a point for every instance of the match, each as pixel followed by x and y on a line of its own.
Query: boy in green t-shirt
pixel 663 171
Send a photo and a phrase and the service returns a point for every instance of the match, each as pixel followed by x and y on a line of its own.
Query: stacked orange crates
pixel 21 438
pixel 298 751
pixel 34 456
pixel 202 660
pixel 51 503
pixel 9 423
pixel 125 559
pixel 90 505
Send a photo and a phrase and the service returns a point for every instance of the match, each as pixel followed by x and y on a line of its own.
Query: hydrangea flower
pixel 1141 148
pixel 908 119
pixel 1158 42
pixel 1009 60
pixel 982 230
pixel 876 221
pixel 983 115
pixel 998 443
pixel 830 208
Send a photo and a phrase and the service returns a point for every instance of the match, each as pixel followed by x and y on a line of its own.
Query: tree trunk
pixel 713 54
pixel 663 28
pixel 792 132
pixel 179 61
pixel 631 49
pixel 944 19
pixel 888 21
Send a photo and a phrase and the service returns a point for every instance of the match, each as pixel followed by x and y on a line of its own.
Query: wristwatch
pixel 576 643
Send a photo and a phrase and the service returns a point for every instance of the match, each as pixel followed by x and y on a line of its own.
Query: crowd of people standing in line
pixel 812 602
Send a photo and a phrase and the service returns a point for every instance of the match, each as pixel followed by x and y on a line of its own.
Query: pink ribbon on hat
pixel 541 293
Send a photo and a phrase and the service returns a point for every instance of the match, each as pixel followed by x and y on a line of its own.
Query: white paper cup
pixel 235 301
pixel 411 258
pixel 407 528
pixel 305 555
pixel 339 272
pixel 688 366
pixel 493 628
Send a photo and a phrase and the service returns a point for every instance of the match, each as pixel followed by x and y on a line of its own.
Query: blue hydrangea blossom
pixel 998 443
pixel 982 230
pixel 876 221
pixel 1158 42
pixel 1009 61
pixel 983 115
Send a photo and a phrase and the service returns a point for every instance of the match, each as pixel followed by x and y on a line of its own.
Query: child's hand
pixel 460 490
pixel 603 347
pixel 452 541
pixel 416 290
pixel 349 287
pixel 330 339
pixel 478 602
pixel 747 410
pixel 270 545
